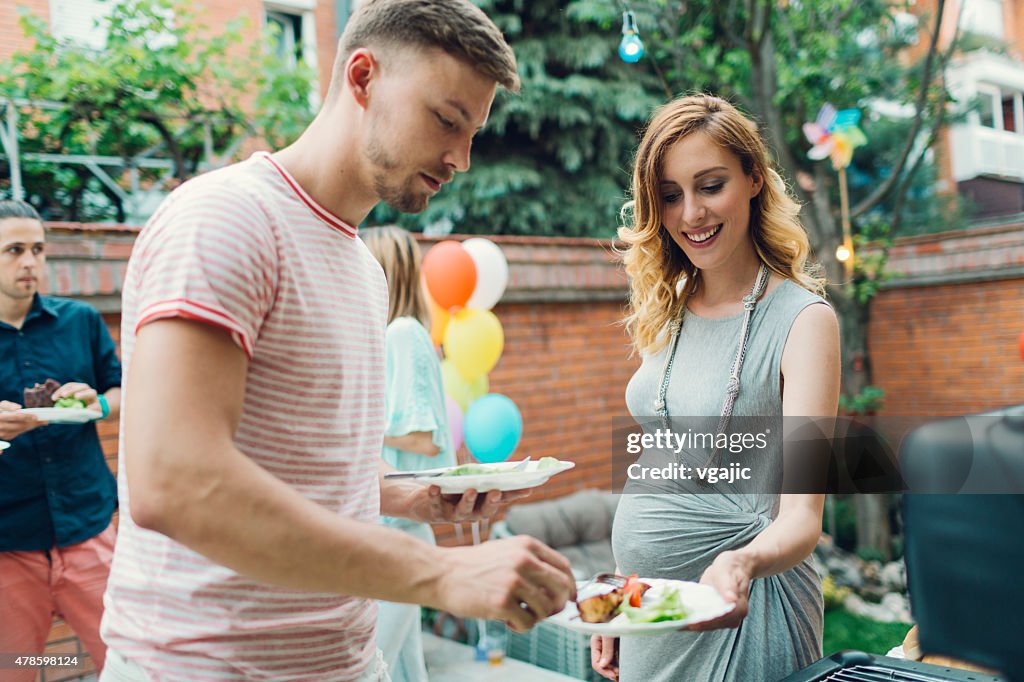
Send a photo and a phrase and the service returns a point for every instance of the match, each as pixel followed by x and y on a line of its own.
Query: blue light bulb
pixel 631 49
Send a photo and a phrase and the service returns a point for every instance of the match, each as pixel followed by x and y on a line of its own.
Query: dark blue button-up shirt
pixel 55 486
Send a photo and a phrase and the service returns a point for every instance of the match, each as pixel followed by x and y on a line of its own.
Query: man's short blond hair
pixel 458 27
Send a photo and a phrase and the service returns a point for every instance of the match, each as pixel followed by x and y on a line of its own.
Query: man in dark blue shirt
pixel 57 494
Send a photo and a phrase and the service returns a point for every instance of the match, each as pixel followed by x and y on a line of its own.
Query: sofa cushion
pixel 582 517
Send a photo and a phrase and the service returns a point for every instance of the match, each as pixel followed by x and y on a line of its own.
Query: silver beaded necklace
pixel 732 387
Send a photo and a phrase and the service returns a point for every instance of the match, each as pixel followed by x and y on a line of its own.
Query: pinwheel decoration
pixel 835 135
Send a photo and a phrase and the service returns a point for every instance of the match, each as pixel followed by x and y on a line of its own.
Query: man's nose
pixel 457 158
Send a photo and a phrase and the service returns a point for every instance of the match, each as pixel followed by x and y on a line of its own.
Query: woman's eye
pixel 714 189
pixel 38 250
pixel 671 198
pixel 446 123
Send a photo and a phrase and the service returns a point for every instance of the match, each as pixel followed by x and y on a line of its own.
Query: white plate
pixel 4 445
pixel 702 602
pixel 500 479
pixel 62 415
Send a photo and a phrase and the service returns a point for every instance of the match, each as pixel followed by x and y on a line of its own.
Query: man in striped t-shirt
pixel 253 412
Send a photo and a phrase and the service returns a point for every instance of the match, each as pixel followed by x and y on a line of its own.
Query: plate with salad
pixel 64 411
pixel 643 606
pixel 456 480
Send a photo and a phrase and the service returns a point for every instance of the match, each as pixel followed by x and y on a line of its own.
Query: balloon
pixel 463 392
pixel 455 421
pixel 493 427
pixel 491 272
pixel 1021 344
pixel 438 322
pixel 473 342
pixel 450 274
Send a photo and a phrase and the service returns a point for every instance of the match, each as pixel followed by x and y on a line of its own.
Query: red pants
pixel 68 583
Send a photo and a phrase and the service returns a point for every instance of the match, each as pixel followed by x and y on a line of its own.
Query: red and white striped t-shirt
pixel 245 249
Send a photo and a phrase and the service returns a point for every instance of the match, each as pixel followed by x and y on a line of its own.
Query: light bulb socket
pixel 628 23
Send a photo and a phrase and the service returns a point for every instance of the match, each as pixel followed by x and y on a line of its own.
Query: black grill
pixel 963 556
pixel 855 666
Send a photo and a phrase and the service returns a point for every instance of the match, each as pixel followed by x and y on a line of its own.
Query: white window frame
pixel 994 94
pixel 304 9
pixel 75 21
pixel 984 17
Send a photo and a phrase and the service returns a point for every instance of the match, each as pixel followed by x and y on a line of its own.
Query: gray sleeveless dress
pixel 678 536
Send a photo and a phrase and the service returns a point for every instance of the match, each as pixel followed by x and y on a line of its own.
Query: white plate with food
pixel 664 606
pixel 62 415
pixel 458 479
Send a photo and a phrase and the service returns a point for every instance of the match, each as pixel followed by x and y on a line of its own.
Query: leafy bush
pixel 834 595
pixel 868 401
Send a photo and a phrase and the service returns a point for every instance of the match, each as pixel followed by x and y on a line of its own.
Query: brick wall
pixel 944 333
pixel 11 37
pixel 565 364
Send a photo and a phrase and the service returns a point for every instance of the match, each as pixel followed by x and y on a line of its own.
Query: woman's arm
pixel 414 421
pixel 419 442
pixel 811 374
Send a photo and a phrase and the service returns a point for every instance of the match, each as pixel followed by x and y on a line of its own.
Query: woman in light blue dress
pixel 731 326
pixel 416 435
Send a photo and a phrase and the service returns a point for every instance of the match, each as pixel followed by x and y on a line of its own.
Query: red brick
pixel 117 250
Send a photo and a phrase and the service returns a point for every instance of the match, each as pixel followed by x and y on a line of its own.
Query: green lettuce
pixel 667 606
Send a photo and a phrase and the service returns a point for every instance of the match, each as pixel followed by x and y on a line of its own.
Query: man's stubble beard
pixel 400 197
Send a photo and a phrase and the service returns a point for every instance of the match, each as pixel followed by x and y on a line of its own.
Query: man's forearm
pixel 238 515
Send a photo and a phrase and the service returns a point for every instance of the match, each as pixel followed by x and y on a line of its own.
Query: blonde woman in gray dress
pixel 711 224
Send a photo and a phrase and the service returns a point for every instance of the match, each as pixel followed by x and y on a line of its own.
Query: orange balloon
pixel 450 274
pixel 1021 345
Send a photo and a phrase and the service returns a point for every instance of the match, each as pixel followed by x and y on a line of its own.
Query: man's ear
pixel 360 71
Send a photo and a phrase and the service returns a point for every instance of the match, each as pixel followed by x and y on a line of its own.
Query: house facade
pixel 982 155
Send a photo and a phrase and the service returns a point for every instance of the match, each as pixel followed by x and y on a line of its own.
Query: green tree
pixel 555 158
pixel 162 81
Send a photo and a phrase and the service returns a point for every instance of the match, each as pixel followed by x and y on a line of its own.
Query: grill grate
pixel 874 673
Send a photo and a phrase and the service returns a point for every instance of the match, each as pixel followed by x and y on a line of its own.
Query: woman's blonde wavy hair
pixel 399 256
pixel 661 276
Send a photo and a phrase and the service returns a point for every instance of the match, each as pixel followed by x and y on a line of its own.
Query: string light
pixel 843 253
pixel 631 49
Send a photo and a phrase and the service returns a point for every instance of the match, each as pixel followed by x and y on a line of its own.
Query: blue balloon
pixel 492 428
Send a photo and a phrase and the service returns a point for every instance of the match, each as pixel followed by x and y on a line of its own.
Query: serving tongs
pixel 614 579
pixel 433 473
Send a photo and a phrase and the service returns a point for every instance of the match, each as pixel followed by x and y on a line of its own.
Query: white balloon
pixel 491 272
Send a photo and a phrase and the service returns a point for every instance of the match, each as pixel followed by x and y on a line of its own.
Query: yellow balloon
pixel 462 391
pixel 473 342
pixel 438 322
